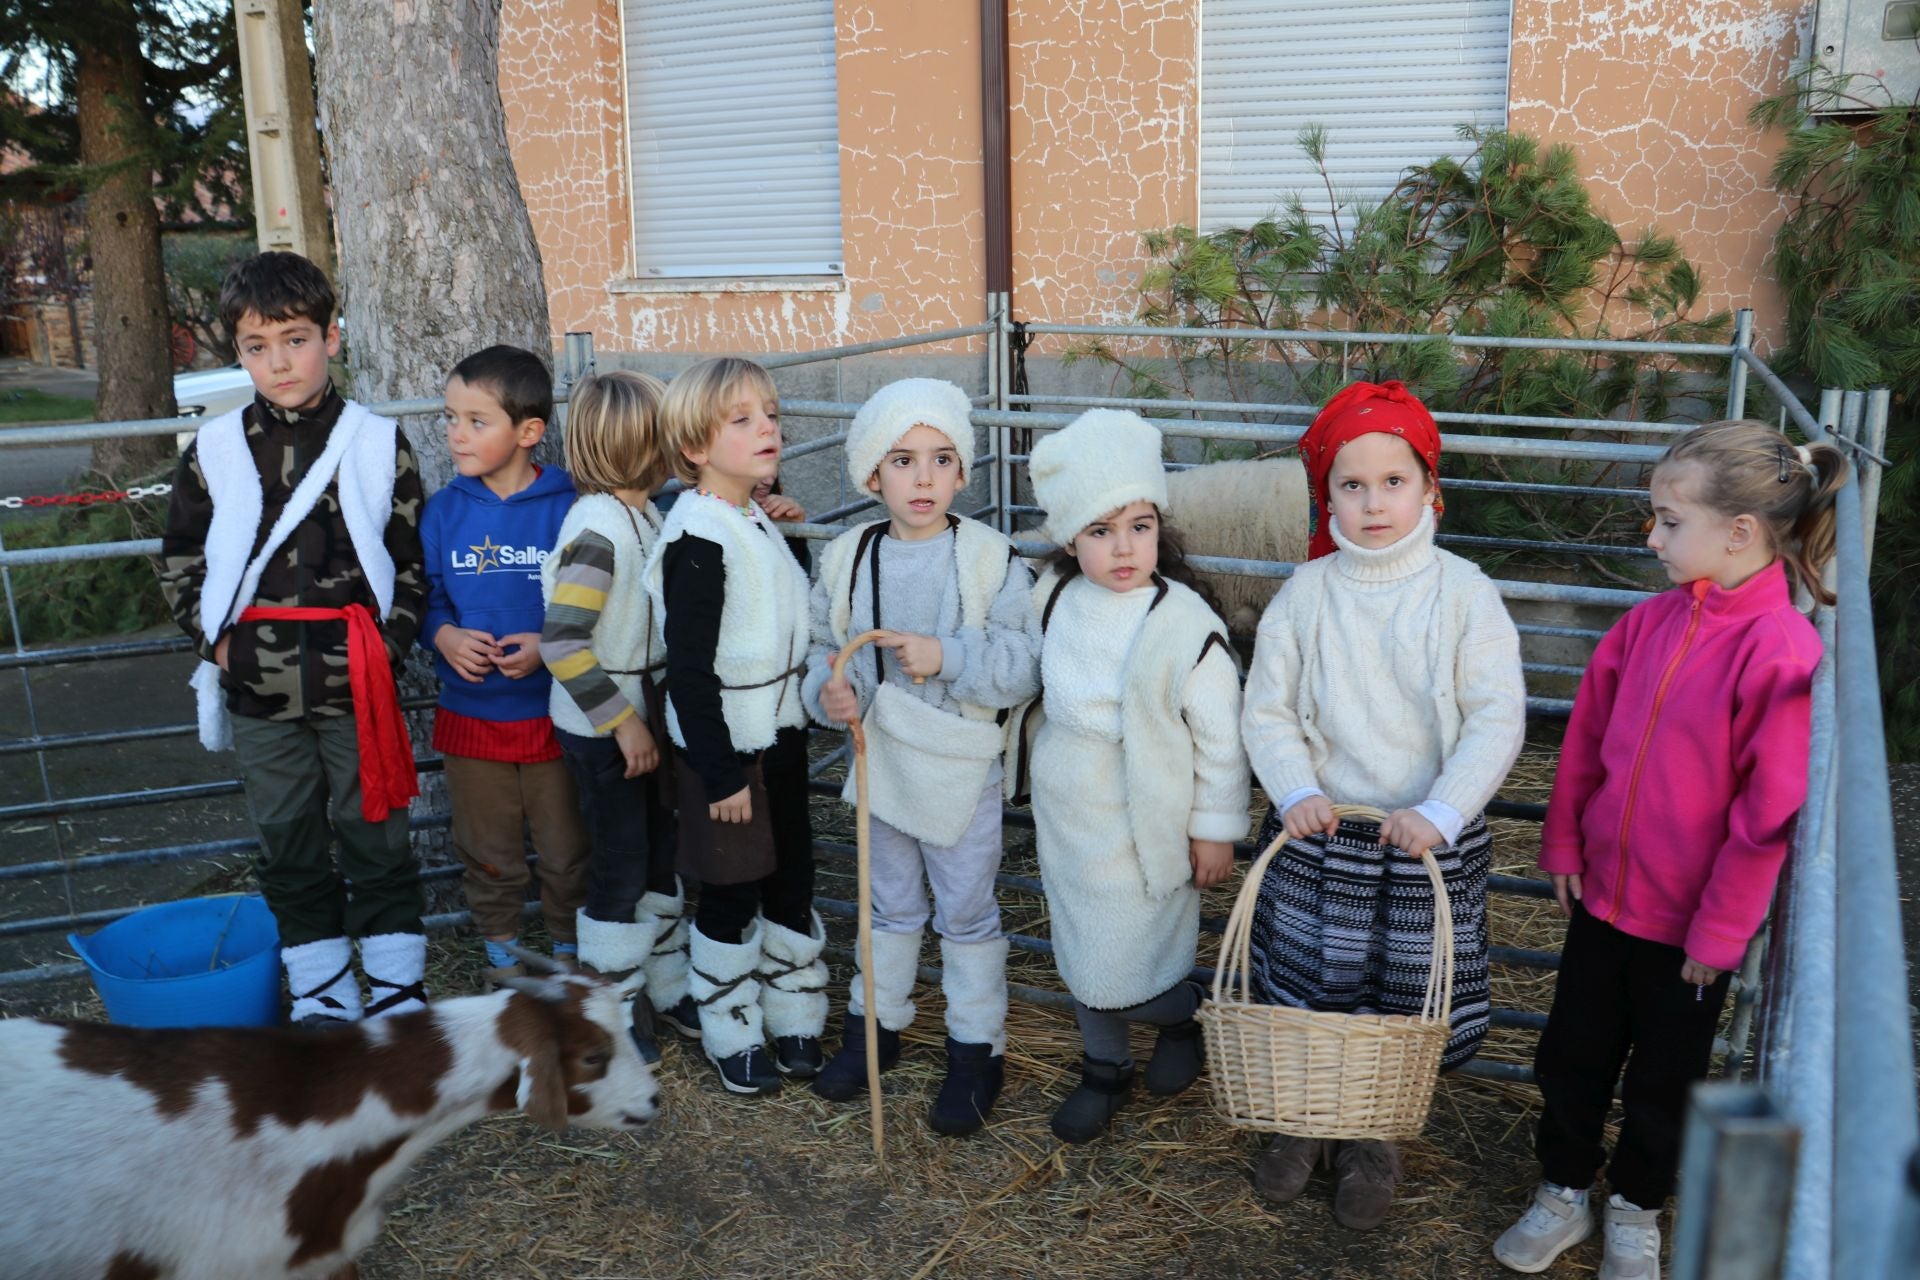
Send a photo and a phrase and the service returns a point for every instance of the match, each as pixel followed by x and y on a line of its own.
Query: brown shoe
pixel 1365 1174
pixel 1282 1171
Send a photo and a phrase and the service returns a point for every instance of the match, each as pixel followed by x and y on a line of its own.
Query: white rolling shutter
pixel 733 122
pixel 1388 78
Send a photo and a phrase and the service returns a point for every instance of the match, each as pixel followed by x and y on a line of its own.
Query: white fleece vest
pixel 1154 741
pixel 763 622
pixel 360 452
pixel 627 640
pixel 981 555
pixel 925 767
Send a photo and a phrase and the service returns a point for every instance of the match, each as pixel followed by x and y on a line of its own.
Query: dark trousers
pixel 629 824
pixel 1620 1001
pixel 784 896
pixel 302 779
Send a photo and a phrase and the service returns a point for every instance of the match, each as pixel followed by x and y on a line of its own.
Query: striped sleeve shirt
pixel 580 587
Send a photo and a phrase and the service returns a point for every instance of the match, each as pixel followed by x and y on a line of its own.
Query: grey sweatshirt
pixel 993 666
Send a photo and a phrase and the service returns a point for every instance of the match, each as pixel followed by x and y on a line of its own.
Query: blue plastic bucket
pixel 203 962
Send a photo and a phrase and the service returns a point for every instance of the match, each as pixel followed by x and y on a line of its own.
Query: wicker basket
pixel 1324 1075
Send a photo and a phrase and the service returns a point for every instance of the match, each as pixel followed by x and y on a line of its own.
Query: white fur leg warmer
pixel 611 947
pixel 974 979
pixel 722 982
pixel 320 975
pixel 793 980
pixel 396 968
pixel 896 966
pixel 666 965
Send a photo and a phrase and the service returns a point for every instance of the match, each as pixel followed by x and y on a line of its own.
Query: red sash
pixel 387 780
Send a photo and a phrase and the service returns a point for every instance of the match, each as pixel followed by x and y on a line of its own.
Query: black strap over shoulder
pixel 1053 598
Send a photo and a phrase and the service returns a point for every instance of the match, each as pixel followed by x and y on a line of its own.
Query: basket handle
pixel 1236 943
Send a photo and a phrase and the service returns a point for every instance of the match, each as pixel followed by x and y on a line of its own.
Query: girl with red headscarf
pixel 1386 672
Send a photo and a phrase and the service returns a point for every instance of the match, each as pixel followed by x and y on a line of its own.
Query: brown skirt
pixel 722 852
pixel 653 694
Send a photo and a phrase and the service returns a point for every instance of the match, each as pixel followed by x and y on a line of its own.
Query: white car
pixel 204 393
pixel 208 393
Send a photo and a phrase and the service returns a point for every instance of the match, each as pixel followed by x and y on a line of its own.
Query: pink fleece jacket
pixel 1684 764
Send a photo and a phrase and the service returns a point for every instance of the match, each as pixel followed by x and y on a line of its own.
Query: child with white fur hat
pixel 963 646
pixel 1139 783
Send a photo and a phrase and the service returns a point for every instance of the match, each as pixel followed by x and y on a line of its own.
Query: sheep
pixel 249 1153
pixel 1258 509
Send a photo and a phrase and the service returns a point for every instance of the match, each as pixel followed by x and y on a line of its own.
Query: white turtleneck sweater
pixel 1388 677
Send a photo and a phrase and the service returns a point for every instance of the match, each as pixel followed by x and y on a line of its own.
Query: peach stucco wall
pixel 1106 133
pixel 1652 94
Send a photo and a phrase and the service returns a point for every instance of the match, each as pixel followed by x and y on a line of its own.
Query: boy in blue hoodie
pixel 485 535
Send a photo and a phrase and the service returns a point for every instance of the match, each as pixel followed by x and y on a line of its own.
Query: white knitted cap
pixel 898 408
pixel 1101 461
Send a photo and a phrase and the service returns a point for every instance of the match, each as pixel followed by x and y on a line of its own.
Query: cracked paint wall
pixel 910 183
pixel 1652 94
pixel 1106 113
pixel 1653 97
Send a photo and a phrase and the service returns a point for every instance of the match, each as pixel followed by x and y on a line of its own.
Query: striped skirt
pixel 1344 925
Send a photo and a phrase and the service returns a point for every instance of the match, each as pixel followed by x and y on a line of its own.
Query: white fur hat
pixel 1101 461
pixel 898 408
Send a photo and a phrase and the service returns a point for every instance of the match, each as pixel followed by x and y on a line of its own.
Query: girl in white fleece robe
pixel 1138 780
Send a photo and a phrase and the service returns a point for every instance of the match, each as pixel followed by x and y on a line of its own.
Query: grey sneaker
pixel 1558 1219
pixel 1633 1242
pixel 1282 1171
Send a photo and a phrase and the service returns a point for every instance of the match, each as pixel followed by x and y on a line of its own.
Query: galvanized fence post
pixel 1737 367
pixel 1873 434
pixel 1876 1125
pixel 1736 1181
pixel 576 361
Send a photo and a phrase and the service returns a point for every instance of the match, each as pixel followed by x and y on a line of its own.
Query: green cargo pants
pixel 291 770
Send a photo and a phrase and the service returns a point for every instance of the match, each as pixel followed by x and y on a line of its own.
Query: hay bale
pixel 1255 510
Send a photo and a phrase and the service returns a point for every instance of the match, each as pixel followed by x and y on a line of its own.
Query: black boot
pixel 644 1037
pixel 683 1018
pixel 750 1071
pixel 797 1056
pixel 1087 1111
pixel 1177 1058
pixel 974 1076
pixel 845 1075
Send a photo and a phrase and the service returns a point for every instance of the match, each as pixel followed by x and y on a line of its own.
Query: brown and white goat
pixel 243 1154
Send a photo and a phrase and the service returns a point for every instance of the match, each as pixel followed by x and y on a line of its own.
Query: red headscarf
pixel 1360 409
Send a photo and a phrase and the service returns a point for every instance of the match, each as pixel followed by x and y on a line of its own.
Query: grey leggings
pixel 1103 1032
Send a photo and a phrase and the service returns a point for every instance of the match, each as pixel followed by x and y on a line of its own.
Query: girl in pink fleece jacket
pixel 1683 766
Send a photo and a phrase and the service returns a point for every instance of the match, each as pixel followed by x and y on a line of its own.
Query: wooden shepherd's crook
pixel 863 842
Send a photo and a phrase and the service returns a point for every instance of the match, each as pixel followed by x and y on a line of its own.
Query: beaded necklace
pixel 746 510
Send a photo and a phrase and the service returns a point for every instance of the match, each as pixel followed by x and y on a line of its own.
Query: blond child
pixel 733 603
pixel 604 644
pixel 1684 763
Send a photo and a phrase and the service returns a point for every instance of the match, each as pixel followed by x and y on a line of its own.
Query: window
pixel 1390 80
pixel 733 122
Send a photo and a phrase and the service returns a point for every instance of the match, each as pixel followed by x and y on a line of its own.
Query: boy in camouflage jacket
pixel 292 557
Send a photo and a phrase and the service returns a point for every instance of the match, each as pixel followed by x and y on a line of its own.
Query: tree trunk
pixel 437 255
pixel 131 342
